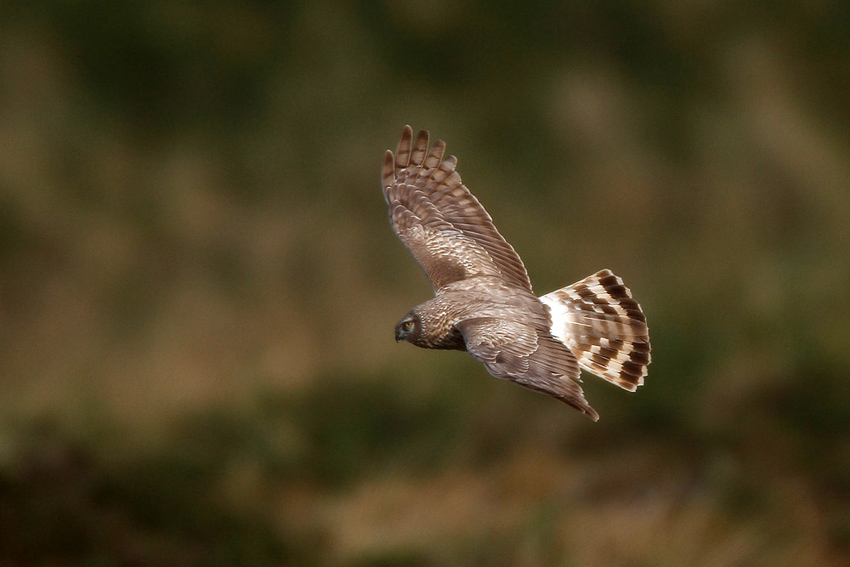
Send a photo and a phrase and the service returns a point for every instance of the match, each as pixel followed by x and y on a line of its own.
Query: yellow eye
pixel 408 325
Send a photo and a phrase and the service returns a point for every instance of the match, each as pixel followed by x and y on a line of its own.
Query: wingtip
pixel 587 410
pixel 402 152
pixel 388 172
pixel 420 148
pixel 577 402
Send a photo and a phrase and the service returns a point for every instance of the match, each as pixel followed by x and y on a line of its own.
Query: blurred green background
pixel 199 284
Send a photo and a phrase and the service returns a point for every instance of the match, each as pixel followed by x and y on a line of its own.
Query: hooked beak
pixel 398 333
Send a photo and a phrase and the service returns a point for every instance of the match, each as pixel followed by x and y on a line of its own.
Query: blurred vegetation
pixel 199 284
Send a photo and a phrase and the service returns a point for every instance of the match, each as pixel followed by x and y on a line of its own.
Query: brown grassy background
pixel 199 284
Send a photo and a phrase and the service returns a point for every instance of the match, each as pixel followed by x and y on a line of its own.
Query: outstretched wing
pixel 528 356
pixel 440 221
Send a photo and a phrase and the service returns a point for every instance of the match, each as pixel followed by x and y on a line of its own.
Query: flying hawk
pixel 484 303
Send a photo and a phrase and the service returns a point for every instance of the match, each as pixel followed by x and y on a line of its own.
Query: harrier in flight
pixel 484 303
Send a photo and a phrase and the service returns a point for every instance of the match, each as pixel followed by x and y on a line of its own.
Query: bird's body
pixel 484 301
pixel 485 296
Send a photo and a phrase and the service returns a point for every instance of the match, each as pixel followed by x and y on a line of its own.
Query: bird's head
pixel 409 328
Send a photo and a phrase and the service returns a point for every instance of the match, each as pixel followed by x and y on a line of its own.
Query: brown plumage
pixel 484 302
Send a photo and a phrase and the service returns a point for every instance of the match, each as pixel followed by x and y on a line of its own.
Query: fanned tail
pixel 604 327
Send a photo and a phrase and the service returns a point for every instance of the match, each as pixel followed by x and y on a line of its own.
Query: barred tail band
pixel 604 327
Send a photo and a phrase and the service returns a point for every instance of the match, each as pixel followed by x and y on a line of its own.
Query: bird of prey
pixel 484 303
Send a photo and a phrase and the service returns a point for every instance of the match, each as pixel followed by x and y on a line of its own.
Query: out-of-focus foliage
pixel 198 284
